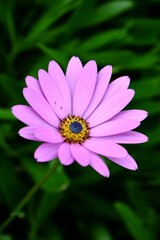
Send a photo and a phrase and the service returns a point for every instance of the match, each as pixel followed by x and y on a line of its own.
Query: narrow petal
pixel 64 154
pixel 113 127
pixel 80 154
pixel 28 116
pixel 28 133
pixel 73 71
pixel 52 94
pixel 110 108
pixel 48 134
pixel 98 165
pixel 33 84
pixel 41 106
pixel 105 148
pixel 138 115
pixel 103 79
pixel 46 152
pixel 85 88
pixel 130 137
pixel 118 85
pixel 127 162
pixel 58 76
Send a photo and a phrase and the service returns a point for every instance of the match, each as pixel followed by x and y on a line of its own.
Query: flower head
pixel 79 116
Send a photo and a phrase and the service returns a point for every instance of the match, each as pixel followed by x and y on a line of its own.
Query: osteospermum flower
pixel 79 116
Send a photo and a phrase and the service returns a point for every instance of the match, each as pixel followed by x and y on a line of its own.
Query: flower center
pixel 74 129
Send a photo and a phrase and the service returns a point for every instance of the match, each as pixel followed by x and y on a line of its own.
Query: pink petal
pixel 110 108
pixel 127 162
pixel 98 164
pixel 46 152
pixel 33 84
pixel 130 137
pixel 28 133
pixel 27 115
pixel 41 106
pixel 64 154
pixel 48 134
pixel 84 88
pixel 80 154
pixel 118 85
pixel 52 94
pixel 58 76
pixel 138 115
pixel 102 83
pixel 105 148
pixel 73 71
pixel 113 127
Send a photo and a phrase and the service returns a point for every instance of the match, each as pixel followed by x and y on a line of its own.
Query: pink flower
pixel 79 116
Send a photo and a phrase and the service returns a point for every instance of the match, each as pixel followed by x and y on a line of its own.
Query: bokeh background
pixel 78 203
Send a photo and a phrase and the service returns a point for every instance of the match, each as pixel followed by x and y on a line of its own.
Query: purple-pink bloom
pixel 79 116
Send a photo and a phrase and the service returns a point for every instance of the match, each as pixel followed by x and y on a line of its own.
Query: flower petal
pixel 110 108
pixel 28 133
pixel 84 88
pixel 33 84
pixel 46 152
pixel 58 76
pixel 130 137
pixel 73 71
pixel 127 162
pixel 105 148
pixel 113 127
pixel 64 154
pixel 41 106
pixel 48 134
pixel 52 93
pixel 98 165
pixel 103 79
pixel 138 115
pixel 80 154
pixel 28 116
pixel 118 85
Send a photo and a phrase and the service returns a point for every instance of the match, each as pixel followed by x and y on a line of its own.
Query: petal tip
pixel 20 133
pixel 13 109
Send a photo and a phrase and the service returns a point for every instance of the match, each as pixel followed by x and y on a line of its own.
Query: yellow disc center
pixel 74 129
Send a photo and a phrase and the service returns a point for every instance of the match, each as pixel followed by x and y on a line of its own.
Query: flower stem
pixel 29 195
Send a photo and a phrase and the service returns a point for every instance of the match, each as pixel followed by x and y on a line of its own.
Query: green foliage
pixel 58 182
pixel 132 222
pixel 124 33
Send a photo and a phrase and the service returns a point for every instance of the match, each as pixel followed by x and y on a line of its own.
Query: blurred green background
pixel 78 203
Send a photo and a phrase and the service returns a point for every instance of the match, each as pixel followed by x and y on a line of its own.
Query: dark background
pixel 78 203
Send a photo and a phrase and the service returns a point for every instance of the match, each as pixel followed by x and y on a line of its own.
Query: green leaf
pixel 6 114
pixel 154 135
pixel 104 38
pixel 78 20
pixel 146 88
pixel 133 222
pixel 5 130
pixel 9 184
pixel 58 182
pixel 117 58
pixel 55 54
pixel 121 59
pixel 109 10
pixel 47 204
pixel 47 19
pixel 18 214
pixel 101 233
pixel 151 106
pixel 5 237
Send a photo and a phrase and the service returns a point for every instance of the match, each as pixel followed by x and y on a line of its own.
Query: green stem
pixel 29 195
